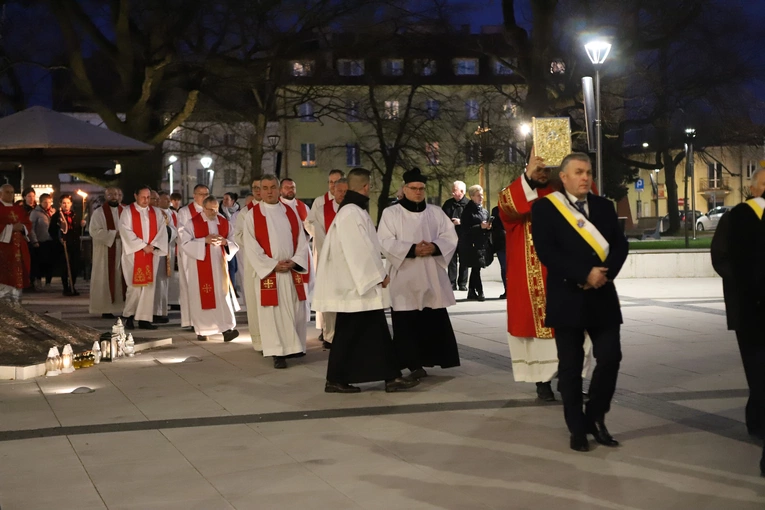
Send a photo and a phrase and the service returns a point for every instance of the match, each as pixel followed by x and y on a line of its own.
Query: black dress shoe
pixel 230 335
pixel 472 296
pixel 321 336
pixel 418 374
pixel 545 392
pixel 503 295
pixel 295 355
pixel 454 286
pixel 280 362
pixel 129 324
pixel 463 288
pixel 160 319
pixel 175 307
pixel 600 433
pixel 108 316
pixel 333 387
pixel 146 325
pixel 201 338
pixel 481 297
pixel 579 443
pixel 326 344
pixel 400 383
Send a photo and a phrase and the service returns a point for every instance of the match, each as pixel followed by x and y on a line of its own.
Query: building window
pixel 203 140
pixel 302 67
pixel 512 155
pixel 472 110
pixel 393 67
pixel 201 176
pixel 472 152
pixel 502 67
pixel 432 153
pixel 352 111
pixel 307 154
pixel 352 154
pixel 305 110
pixel 229 140
pixel 229 177
pixel 751 167
pixel 510 109
pixel 465 66
pixel 433 109
pixel 391 110
pixel 347 67
pixel 425 66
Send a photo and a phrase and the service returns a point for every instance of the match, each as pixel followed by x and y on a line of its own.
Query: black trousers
pixel 606 346
pixel 751 344
pixel 475 285
pixel 424 338
pixel 463 272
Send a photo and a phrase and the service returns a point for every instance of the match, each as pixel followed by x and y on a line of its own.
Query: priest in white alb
pixel 418 241
pixel 144 241
pixel 276 247
pixel 247 272
pixel 208 244
pixel 351 281
pixel 185 215
pixel 107 285
pixel 323 211
pixel 167 272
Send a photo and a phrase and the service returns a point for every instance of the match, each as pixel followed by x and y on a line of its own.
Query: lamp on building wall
pixel 172 159
pixel 598 51
pixel 206 162
pixel 273 144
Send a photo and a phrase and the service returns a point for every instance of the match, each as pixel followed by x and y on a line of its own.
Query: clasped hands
pixel 18 227
pixel 597 278
pixel 216 240
pixel 284 266
pixel 424 249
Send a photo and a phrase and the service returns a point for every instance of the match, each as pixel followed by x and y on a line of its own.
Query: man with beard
pixel 288 192
pixel 418 240
pixel 107 286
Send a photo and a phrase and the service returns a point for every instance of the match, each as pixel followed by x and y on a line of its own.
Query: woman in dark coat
pixel 474 244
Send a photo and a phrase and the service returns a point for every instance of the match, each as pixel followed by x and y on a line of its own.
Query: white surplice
pixel 299 206
pixel 282 327
pixel 162 294
pixel 103 239
pixel 184 216
pixel 350 266
pixel 221 318
pixel 420 282
pixel 248 279
pixel 139 301
pixel 325 321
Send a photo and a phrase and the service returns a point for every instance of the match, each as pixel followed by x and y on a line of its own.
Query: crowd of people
pixel 287 259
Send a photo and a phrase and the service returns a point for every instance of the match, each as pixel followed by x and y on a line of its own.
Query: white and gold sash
pixel 581 225
pixel 758 205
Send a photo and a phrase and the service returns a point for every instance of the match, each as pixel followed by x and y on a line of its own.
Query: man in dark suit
pixel 578 238
pixel 737 250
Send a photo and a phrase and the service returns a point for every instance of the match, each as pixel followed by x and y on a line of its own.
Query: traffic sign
pixel 639 185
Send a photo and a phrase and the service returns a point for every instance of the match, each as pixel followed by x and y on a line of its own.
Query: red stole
pixel 329 212
pixel 112 259
pixel 192 210
pixel 268 292
pixel 143 263
pixel 204 266
pixel 14 256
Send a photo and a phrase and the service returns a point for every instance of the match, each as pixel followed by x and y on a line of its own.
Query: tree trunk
pixel 387 180
pixel 145 170
pixel 256 150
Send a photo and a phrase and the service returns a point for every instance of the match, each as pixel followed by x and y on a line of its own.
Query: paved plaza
pixel 230 432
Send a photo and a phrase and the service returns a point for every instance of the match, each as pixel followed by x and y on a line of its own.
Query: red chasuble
pixel 329 212
pixel 143 263
pixel 112 260
pixel 526 276
pixel 14 256
pixel 204 266
pixel 268 292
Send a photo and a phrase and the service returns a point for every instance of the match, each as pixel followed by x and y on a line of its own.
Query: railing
pixel 714 184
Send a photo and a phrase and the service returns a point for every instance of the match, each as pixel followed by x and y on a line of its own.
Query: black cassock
pixel 362 350
pixel 425 338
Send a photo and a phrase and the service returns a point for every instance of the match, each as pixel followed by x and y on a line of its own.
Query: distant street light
pixel 206 162
pixel 172 159
pixel 525 129
pixel 645 145
pixel 598 52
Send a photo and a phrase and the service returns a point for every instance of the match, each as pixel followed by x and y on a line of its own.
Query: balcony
pixel 719 184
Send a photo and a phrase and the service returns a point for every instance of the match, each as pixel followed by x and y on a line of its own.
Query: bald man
pixel 107 286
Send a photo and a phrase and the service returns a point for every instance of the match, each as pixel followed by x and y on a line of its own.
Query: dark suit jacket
pixel 569 260
pixel 737 253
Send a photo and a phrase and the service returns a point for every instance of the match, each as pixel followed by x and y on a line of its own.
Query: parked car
pixel 681 213
pixel 710 220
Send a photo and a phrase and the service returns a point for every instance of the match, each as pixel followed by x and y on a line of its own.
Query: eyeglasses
pixel 418 189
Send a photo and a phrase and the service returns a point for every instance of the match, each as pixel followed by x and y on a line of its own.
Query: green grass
pixel 671 244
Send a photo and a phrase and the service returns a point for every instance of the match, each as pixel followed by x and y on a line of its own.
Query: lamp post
pixel 172 159
pixel 690 174
pixel 273 143
pixel 598 52
pixel 206 162
pixel 486 153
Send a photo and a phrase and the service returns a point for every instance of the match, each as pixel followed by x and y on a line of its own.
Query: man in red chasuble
pixel 14 251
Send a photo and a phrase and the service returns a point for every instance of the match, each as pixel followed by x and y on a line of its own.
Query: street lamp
pixel 690 174
pixel 172 159
pixel 273 143
pixel 206 162
pixel 525 129
pixel 598 52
